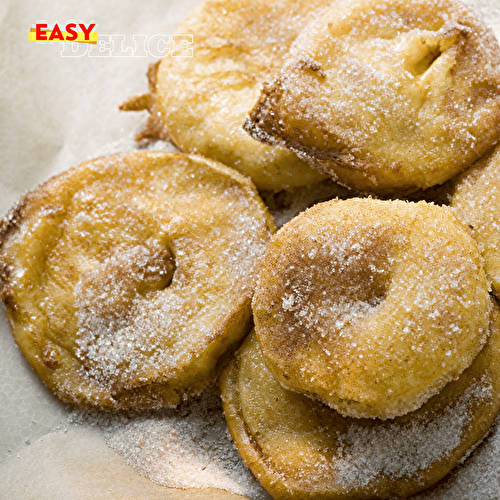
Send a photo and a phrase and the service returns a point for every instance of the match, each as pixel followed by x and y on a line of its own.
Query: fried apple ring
pixel 371 306
pixel 200 102
pixel 301 449
pixel 476 202
pixel 387 96
pixel 128 277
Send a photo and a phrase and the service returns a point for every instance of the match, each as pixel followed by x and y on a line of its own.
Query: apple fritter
pixel 301 449
pixel 476 202
pixel 371 306
pixel 200 102
pixel 128 277
pixel 387 96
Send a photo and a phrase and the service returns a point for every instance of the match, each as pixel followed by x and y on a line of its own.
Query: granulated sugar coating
pixel 386 96
pixel 371 306
pixel 300 448
pixel 476 202
pixel 385 449
pixel 127 277
pixel 477 479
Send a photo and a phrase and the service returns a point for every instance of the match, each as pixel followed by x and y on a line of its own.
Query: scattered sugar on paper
pixel 186 447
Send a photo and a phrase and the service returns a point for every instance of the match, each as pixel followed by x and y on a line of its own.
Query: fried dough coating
pixel 476 202
pixel 301 449
pixel 371 306
pixel 200 102
pixel 128 277
pixel 387 96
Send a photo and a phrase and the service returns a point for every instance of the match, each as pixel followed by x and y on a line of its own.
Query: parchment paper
pixel 54 113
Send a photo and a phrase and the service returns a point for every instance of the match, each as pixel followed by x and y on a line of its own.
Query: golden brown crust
pixel 387 97
pixel 371 306
pixel 119 289
pixel 200 102
pixel 475 199
pixel 301 449
pixel 154 127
